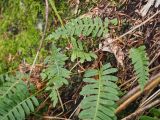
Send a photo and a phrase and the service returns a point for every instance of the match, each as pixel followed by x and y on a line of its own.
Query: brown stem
pixel 152 84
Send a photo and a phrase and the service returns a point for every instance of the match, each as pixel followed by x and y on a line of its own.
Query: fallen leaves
pixel 110 46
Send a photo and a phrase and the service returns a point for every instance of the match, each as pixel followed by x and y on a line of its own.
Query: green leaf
pixel 99 94
pixel 141 62
pixel 56 74
pixel 114 21
pixel 148 118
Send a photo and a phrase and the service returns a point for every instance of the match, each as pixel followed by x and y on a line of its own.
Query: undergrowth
pixel 100 91
pixel 19 35
pixel 15 100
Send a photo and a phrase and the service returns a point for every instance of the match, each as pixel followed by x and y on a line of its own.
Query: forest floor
pixel 134 27
pixel 133 30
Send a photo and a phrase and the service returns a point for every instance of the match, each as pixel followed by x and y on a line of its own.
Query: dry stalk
pixel 141 110
pixel 151 84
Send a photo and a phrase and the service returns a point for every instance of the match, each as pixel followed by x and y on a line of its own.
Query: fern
pixel 15 100
pixel 84 26
pixel 141 62
pixel 154 114
pixel 101 94
pixel 78 52
pixel 55 74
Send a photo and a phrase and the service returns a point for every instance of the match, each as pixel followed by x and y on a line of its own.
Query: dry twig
pixel 141 110
pixel 151 84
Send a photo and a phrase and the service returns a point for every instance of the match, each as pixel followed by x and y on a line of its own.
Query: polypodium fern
pixel 84 26
pixel 78 51
pixel 56 75
pixel 99 94
pixel 141 62
pixel 15 101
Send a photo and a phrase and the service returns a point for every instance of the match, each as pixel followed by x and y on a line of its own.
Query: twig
pixel 134 28
pixel 74 66
pixel 152 97
pixel 134 90
pixel 152 84
pixel 42 38
pixel 42 104
pixel 55 118
pixel 141 110
pixel 151 70
pixel 78 107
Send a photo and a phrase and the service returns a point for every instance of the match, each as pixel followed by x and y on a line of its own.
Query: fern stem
pixel 60 100
pixel 98 96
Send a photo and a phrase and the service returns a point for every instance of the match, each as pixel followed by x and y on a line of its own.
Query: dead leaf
pixel 109 46
pixel 74 5
pixel 146 7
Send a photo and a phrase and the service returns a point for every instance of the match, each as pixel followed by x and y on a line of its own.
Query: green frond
pixel 15 100
pixel 99 94
pixel 154 114
pixel 141 62
pixel 78 52
pixel 56 75
pixel 85 26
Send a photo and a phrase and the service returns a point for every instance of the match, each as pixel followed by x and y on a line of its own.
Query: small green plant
pixel 154 114
pixel 78 52
pixel 99 94
pixel 56 75
pixel 85 27
pixel 141 62
pixel 15 100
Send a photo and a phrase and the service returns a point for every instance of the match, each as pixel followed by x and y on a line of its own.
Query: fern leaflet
pixel 15 100
pixel 56 75
pixel 78 52
pixel 141 62
pixel 101 94
pixel 85 26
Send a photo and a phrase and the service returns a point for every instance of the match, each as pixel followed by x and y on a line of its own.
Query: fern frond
pixel 85 26
pixel 78 52
pixel 100 95
pixel 15 100
pixel 141 62
pixel 56 75
pixel 9 84
pixel 17 108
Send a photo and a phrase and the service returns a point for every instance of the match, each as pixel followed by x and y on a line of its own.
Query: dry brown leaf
pixel 146 7
pixel 109 46
pixel 74 5
pixel 94 12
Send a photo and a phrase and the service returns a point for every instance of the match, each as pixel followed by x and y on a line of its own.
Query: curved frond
pixel 56 75
pixel 100 94
pixel 141 62
pixel 15 100
pixel 85 26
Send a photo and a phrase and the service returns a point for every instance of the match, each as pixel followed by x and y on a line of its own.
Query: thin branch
pixel 152 84
pixel 141 110
pixel 134 28
pixel 42 38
